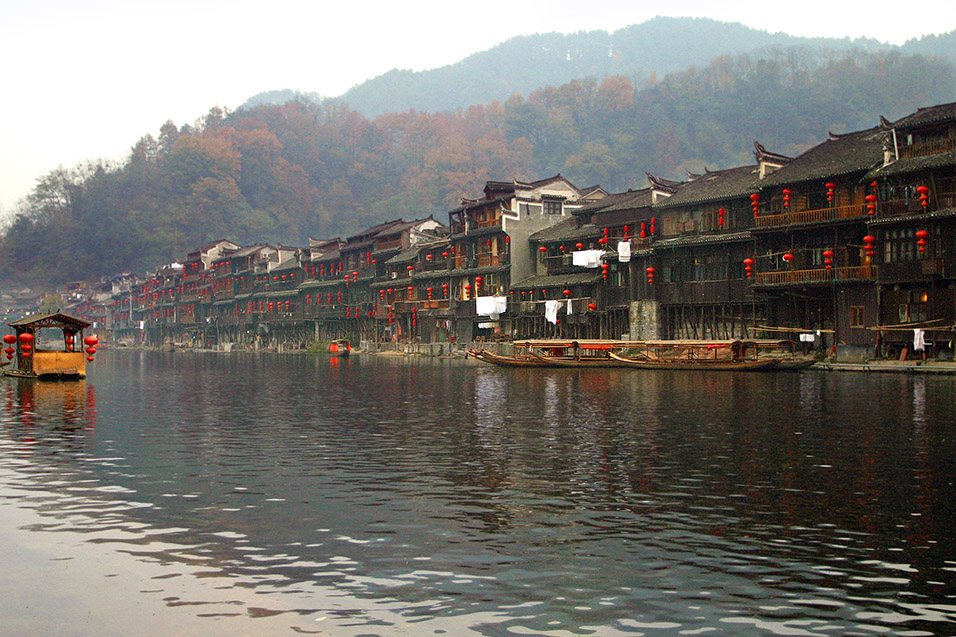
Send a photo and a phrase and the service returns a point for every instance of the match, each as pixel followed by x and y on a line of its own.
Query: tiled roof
pixel 630 200
pixel 715 186
pixel 914 164
pixel 928 115
pixel 840 155
pixel 557 280
pixel 565 230
pixel 702 239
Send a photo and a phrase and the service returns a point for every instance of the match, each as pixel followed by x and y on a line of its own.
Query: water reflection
pixel 377 493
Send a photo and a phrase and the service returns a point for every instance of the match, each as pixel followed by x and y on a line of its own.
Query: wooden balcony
pixel 488 223
pixel 937 201
pixel 933 147
pixel 820 275
pixel 486 260
pixel 811 216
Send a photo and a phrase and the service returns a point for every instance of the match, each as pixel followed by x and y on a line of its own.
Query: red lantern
pixel 579 246
pixel 650 274
pixel 788 257
pixel 26 337
pixel 828 258
pixel 755 204
pixel 922 236
pixel 409 267
pixel 26 348
pixel 91 340
pixel 786 198
pixel 9 351
pixel 543 249
pixel 89 358
pixel 9 339
pixel 567 293
pixel 643 230
pixel 720 218
pixel 592 306
pixel 90 350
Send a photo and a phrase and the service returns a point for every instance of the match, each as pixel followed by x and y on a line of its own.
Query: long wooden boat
pixel 510 361
pixel 784 352
pixel 713 365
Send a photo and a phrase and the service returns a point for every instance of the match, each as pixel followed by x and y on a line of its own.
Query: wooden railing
pixel 486 260
pixel 799 277
pixel 927 148
pixel 488 223
pixel 810 216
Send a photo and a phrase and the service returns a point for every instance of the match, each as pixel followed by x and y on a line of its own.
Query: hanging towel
pixel 919 342
pixel 484 305
pixel 501 304
pixel 569 307
pixel 551 312
pixel 624 251
pixel 586 258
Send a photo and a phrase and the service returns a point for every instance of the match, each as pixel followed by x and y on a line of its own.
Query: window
pixel 856 316
pixel 899 245
pixel 552 207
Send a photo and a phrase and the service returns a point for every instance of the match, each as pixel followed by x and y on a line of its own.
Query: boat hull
pixel 697 365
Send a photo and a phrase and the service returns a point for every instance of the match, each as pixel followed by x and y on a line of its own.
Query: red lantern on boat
pixel 26 337
pixel 91 340
pixel 89 358
pixel 9 339
pixel 26 347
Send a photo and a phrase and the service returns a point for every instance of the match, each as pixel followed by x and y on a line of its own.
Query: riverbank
pixel 459 351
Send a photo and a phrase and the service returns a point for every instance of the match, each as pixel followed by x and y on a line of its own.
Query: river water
pixel 284 494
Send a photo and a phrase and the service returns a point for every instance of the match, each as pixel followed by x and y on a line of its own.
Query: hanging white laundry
pixel 569 307
pixel 501 304
pixel 586 258
pixel 919 340
pixel 551 312
pixel 624 251
pixel 484 305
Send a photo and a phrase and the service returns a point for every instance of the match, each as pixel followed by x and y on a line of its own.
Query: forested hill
pixel 527 63
pixel 284 173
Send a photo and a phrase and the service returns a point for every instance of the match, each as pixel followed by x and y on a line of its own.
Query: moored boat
pixel 727 355
pixel 340 348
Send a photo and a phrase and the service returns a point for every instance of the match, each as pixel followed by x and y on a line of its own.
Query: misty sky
pixel 85 79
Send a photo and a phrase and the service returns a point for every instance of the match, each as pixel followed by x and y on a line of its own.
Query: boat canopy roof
pixel 56 319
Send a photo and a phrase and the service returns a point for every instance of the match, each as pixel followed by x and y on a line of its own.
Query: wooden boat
pixel 33 361
pixel 784 352
pixel 573 352
pixel 722 356
pixel 509 361
pixel 340 348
